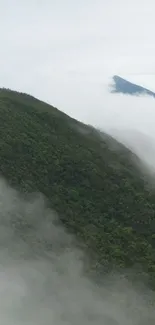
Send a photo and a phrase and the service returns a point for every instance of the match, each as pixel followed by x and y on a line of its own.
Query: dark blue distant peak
pixel 123 86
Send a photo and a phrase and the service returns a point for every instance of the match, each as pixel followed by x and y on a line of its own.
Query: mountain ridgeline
pixel 123 86
pixel 89 179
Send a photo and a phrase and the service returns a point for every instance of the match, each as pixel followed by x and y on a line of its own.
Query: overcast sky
pixel 65 52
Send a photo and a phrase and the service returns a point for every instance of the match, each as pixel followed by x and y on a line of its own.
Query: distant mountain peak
pixel 124 86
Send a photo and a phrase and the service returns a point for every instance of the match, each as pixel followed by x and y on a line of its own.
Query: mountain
pixel 90 179
pixel 123 86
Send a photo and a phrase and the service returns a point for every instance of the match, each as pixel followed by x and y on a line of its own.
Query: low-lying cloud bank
pixel 42 279
pixel 130 119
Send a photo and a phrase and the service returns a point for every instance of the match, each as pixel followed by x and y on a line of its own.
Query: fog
pixel 130 119
pixel 42 278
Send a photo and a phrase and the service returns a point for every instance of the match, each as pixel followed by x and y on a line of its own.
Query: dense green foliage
pixel 89 178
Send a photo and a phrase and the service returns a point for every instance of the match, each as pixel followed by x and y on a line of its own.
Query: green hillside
pixel 90 179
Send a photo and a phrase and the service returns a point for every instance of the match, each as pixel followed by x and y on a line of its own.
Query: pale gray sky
pixel 64 52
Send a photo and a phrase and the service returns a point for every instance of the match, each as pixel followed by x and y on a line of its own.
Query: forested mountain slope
pixel 90 179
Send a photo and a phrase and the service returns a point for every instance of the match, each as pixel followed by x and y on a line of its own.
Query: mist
pixel 129 119
pixel 42 277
